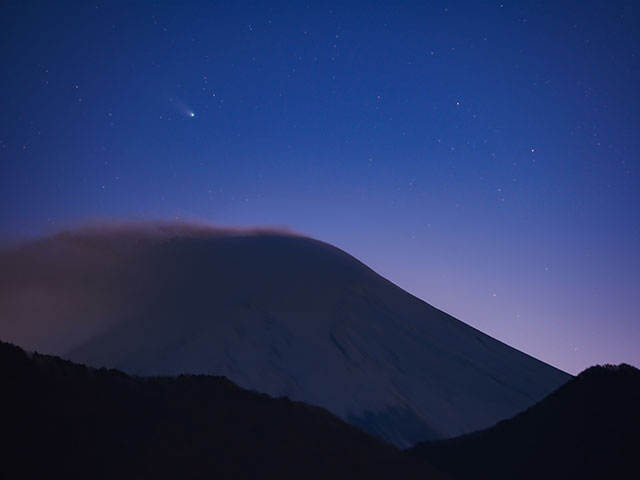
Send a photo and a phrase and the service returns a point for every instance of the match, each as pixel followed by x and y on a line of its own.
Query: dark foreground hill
pixel 589 428
pixel 63 420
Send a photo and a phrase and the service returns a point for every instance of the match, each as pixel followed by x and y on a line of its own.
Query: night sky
pixel 481 155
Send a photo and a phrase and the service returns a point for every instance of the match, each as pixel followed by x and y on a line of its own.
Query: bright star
pixel 192 114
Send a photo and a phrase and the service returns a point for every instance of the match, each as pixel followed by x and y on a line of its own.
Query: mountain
pixel 589 428
pixel 275 312
pixel 62 420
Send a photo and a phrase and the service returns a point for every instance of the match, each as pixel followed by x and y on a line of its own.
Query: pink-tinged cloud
pixel 60 291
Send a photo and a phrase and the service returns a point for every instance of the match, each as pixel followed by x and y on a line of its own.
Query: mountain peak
pixel 279 313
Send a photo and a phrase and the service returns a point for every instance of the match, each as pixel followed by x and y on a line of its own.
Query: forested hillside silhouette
pixel 63 420
pixel 588 428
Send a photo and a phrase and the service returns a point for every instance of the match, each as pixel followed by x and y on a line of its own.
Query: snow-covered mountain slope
pixel 289 316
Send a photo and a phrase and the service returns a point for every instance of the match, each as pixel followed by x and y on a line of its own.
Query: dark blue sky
pixel 482 155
